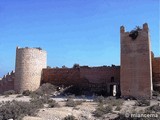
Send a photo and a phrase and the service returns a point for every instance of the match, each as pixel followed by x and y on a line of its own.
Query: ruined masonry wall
pixel 82 76
pixel 28 71
pixel 61 76
pixel 136 68
pixel 156 70
pixel 7 82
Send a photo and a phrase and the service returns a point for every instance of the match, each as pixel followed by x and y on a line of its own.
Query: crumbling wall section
pixel 83 76
pixel 7 82
pixel 156 72
pixel 136 67
pixel 61 76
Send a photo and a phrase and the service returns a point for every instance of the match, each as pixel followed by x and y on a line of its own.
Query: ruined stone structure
pixel 95 78
pixel 136 68
pixel 29 65
pixel 156 72
pixel 139 69
pixel 7 82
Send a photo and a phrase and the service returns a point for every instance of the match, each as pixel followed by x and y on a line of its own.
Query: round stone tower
pixel 29 65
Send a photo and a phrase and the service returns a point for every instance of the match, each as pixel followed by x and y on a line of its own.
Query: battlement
pixel 144 28
pixel 36 48
pixel 97 75
pixel 134 75
pixel 136 68
pixel 7 82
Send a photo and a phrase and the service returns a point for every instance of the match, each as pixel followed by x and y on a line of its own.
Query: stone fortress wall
pixel 103 77
pixel 156 72
pixel 132 78
pixel 7 82
pixel 29 65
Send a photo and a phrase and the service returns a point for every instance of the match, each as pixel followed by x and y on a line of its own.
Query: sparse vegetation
pixel 105 105
pixel 101 110
pixel 123 117
pixel 53 103
pixel 46 88
pixel 114 102
pixel 17 109
pixel 109 101
pixel 18 96
pixel 118 108
pixel 72 103
pixel 99 99
pixel 154 108
pixel 9 92
pixel 73 90
pixel 70 117
pixel 76 65
pixel 39 48
pixel 156 93
pixel 45 99
pixel 48 67
pixel 71 96
pixel 143 102
pixel 26 93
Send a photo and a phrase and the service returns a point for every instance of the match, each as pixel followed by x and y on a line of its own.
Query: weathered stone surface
pixel 136 68
pixel 29 65
pixel 92 77
pixel 134 76
pixel 156 72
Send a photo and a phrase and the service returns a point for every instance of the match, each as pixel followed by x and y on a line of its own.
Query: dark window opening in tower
pixel 112 79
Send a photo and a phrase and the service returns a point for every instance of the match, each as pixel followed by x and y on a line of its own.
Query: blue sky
pixel 73 31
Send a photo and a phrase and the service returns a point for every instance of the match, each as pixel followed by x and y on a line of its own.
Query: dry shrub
pixel 72 103
pixel 9 92
pixel 143 102
pixel 18 109
pixel 101 110
pixel 70 117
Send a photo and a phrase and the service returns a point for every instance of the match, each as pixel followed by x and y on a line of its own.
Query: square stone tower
pixel 136 67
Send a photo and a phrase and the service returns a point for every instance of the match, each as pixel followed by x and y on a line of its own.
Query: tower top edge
pixel 30 48
pixel 144 27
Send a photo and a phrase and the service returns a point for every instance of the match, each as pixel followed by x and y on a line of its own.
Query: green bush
pixel 101 110
pixel 17 109
pixel 69 117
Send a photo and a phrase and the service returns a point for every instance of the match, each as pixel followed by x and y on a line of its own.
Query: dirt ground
pixel 81 112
